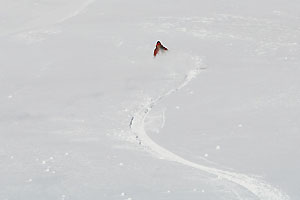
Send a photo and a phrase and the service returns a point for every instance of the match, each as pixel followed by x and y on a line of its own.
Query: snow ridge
pixel 259 188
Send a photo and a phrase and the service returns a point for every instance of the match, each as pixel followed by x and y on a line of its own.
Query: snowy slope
pixel 86 112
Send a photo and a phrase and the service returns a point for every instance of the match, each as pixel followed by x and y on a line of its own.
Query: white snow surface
pixel 87 112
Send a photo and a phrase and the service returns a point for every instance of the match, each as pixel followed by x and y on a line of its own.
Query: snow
pixel 86 112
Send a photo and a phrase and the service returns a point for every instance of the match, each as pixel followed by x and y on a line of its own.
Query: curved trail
pixel 259 188
pixel 50 18
pixel 77 11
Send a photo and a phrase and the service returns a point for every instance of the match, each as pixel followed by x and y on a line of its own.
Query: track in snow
pixel 259 188
pixel 40 25
pixel 77 11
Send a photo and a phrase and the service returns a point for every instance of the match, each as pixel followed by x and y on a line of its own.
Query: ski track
pixel 259 188
pixel 39 25
pixel 77 11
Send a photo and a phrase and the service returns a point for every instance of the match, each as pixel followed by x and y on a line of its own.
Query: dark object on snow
pixel 159 47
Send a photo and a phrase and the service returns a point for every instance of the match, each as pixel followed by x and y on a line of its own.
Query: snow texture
pixel 87 112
